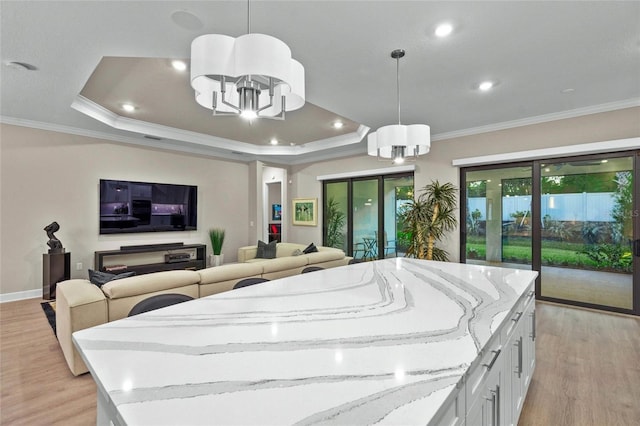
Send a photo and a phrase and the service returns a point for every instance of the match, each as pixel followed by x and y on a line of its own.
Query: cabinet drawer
pixel 517 315
pixel 490 359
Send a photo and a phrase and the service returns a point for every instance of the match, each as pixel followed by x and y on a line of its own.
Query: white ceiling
pixel 533 50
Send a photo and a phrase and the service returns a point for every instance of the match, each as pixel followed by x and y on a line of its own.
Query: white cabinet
pixel 521 364
pixel 488 408
pixel 497 386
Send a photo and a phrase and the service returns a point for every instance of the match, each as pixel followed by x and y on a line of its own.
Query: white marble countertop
pixel 376 342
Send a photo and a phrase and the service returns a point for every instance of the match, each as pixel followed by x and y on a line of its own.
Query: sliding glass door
pixel 587 231
pixel 362 215
pixel 498 216
pixel 574 220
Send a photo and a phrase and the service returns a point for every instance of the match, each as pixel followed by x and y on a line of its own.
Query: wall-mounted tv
pixel 127 207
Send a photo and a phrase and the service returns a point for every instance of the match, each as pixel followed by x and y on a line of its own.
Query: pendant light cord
pixel 248 18
pixel 398 85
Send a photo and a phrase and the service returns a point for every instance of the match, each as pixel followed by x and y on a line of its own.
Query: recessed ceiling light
pixel 128 107
pixel 443 30
pixel 179 65
pixel 187 20
pixel 485 85
pixel 274 141
pixel 338 124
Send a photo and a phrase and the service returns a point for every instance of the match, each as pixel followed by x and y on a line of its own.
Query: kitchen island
pixel 395 341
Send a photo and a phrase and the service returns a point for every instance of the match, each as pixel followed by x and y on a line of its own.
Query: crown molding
pixel 594 109
pixel 98 112
pixel 555 152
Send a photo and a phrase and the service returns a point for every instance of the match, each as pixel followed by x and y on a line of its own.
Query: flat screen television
pixel 127 207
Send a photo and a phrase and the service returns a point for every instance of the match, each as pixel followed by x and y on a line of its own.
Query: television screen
pixel 146 207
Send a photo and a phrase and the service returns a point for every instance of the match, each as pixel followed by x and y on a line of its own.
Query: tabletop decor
pixel 216 235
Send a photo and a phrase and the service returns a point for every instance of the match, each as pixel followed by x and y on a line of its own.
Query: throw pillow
pixel 100 278
pixel 311 248
pixel 297 252
pixel 266 251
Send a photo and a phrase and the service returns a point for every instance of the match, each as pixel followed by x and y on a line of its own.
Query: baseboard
pixel 20 295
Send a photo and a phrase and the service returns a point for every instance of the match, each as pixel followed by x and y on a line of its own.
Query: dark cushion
pixel 311 248
pixel 266 251
pixel 99 278
pixel 159 301
pixel 249 281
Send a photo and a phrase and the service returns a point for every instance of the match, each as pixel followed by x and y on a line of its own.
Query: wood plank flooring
pixel 588 369
pixel 587 373
pixel 37 386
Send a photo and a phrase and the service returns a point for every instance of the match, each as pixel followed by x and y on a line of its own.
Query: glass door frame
pixel 380 229
pixel 536 209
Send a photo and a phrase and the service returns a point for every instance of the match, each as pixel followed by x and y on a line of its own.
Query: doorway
pixel 575 220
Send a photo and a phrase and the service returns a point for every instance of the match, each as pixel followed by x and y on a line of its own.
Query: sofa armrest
pixel 79 305
pixel 247 253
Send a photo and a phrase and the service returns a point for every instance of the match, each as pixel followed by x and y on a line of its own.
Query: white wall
pixel 47 176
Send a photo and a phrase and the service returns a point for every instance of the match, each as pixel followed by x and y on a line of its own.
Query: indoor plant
pixel 335 224
pixel 217 239
pixel 427 218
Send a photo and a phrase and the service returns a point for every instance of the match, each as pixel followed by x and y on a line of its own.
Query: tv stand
pixel 145 259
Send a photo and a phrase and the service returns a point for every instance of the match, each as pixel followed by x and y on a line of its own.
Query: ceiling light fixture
pixel 397 141
pixel 443 30
pixel 485 85
pixel 252 75
pixel 338 124
pixel 274 141
pixel 128 107
pixel 178 65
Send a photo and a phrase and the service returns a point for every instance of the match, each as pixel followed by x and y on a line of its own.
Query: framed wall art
pixel 305 211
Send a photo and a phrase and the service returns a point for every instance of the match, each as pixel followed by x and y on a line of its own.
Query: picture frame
pixel 305 211
pixel 276 212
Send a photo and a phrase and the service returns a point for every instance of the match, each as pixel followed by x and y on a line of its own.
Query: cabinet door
pixel 514 373
pixel 529 339
pixel 487 409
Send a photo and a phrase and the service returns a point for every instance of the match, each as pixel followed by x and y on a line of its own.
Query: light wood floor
pixel 588 370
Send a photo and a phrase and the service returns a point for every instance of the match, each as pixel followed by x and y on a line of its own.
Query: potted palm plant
pixel 216 235
pixel 335 224
pixel 428 218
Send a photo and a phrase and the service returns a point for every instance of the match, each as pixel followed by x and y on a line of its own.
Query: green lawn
pixel 552 254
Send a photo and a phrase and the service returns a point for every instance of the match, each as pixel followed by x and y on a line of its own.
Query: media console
pixel 144 259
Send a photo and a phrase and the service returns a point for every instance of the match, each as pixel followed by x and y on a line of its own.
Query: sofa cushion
pixel 283 263
pixel 324 256
pixel 149 283
pixel 287 249
pixel 230 271
pixel 266 251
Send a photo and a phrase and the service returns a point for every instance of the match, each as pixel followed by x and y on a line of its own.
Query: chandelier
pixel 397 141
pixel 251 76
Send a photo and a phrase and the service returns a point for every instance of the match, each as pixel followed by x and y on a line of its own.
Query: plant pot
pixel 216 259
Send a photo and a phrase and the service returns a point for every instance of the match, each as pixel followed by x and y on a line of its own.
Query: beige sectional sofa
pixel 81 304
